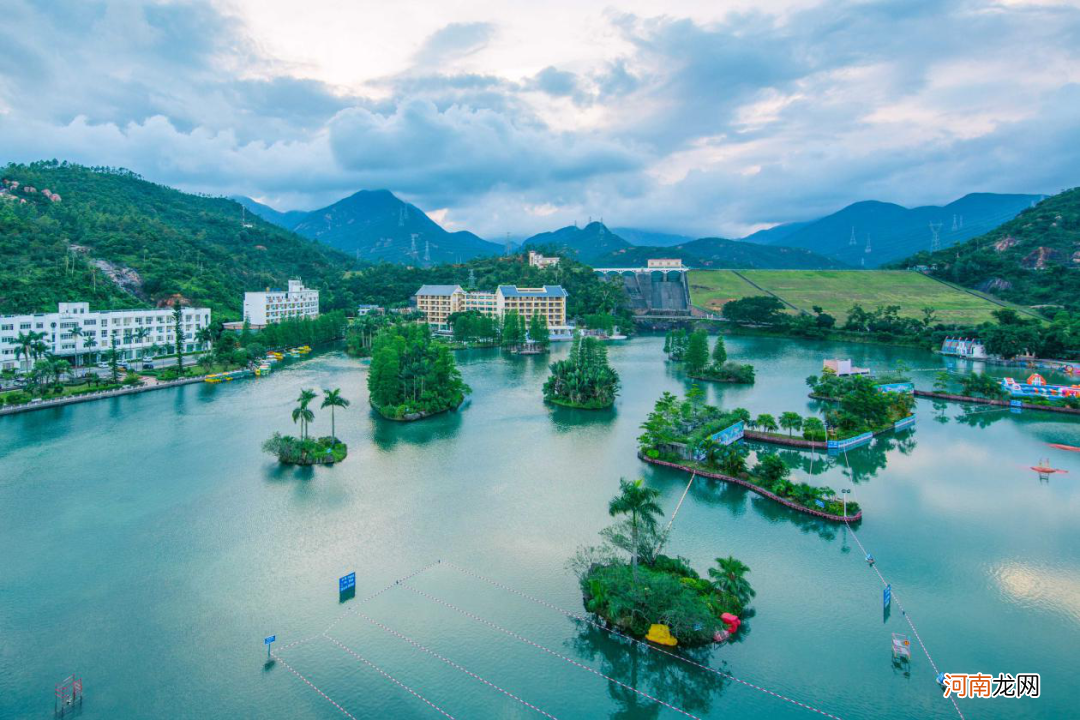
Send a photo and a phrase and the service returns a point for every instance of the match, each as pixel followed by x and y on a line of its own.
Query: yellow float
pixel 661 635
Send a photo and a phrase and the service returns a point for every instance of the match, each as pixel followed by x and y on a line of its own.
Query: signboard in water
pixel 729 434
pixel 904 387
pixel 347 583
pixel 270 639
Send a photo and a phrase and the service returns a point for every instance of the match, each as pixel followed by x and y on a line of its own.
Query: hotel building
pixel 439 302
pixel 271 306
pixel 75 331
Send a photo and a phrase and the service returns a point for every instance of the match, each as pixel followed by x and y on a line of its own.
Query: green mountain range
pixel 116 240
pixel 871 233
pixel 1033 259
pixel 377 226
pixel 598 246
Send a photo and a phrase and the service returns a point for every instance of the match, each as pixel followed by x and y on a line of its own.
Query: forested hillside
pixel 107 236
pixel 1034 259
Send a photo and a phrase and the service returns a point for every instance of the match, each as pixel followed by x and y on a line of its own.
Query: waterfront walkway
pixel 148 385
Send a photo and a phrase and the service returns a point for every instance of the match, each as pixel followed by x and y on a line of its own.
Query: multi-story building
pixel 541 261
pixel 439 302
pixel 271 306
pixel 79 334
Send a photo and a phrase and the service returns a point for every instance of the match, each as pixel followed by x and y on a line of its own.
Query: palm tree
pixel 30 346
pixel 729 577
pixel 204 336
pixel 302 412
pixel 639 502
pixel 76 332
pixel 332 399
pixel 89 343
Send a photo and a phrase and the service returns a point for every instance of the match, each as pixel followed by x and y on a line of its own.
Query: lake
pixel 148 546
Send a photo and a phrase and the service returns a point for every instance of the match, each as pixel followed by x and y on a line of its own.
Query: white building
pixel 271 306
pixel 665 264
pixel 81 335
pixel 541 261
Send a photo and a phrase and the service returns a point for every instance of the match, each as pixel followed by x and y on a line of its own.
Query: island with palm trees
pixel 633 587
pixel 305 450
pixel 584 379
pixel 694 437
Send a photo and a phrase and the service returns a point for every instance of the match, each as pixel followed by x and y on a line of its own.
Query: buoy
pixel 661 635
pixel 869 559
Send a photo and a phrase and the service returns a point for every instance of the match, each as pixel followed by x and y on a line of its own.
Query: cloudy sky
pixel 713 118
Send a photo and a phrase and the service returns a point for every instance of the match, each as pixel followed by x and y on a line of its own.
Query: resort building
pixel 843 368
pixel 439 302
pixel 76 333
pixel 540 261
pixel 272 306
pixel 962 347
pixel 362 310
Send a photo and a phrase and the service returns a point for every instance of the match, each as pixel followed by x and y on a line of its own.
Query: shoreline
pixel 857 517
pixel 991 401
pixel 87 397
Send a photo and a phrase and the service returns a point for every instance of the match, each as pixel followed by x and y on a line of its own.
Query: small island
pixel 693 351
pixel 584 380
pixel 697 438
pixel 864 404
pixel 631 586
pixel 412 376
pixel 304 450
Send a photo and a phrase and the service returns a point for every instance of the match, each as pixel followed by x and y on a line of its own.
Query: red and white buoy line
pixel 896 598
pixel 549 651
pixel 616 633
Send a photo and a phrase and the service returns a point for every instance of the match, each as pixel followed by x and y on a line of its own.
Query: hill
pixel 836 291
pixel 892 232
pixel 377 226
pixel 116 240
pixel 652 238
pixel 586 244
pixel 1033 259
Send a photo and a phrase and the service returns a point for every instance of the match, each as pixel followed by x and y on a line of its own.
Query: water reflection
pixel 388 433
pixel 678 683
pixel 572 419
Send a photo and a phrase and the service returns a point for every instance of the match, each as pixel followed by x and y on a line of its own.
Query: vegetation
pixel 1030 259
pixel 360 334
pixel 982 385
pixel 683 432
pixel 116 240
pixel 629 584
pixel 412 376
pixel 863 407
pixel 693 350
pixel 585 379
pixel 305 450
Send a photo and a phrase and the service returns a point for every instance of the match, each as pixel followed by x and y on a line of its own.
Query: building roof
pixel 546 291
pixel 438 289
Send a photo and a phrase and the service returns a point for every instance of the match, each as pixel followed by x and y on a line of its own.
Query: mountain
pixel 287 220
pixel 873 233
pixel 586 244
pixel 723 253
pixel 651 238
pixel 116 240
pixel 776 234
pixel 377 226
pixel 1033 259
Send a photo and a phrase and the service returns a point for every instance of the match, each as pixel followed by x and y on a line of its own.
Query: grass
pixel 837 290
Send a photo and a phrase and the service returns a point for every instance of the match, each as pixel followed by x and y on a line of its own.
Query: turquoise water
pixel 149 546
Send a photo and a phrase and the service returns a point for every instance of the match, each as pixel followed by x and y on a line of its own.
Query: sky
pixel 713 118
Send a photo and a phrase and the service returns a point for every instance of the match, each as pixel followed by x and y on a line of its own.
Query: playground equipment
pixel 69 694
pixel 901 648
pixel 1035 386
pixel 1045 469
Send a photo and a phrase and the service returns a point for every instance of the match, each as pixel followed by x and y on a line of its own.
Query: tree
pixel 790 421
pixel 697 352
pixel 639 503
pixel 813 429
pixel 771 469
pixel 178 326
pixel 332 399
pixel 941 381
pixel 538 330
pixel 302 413
pixel 766 422
pixel 719 353
pixel 729 577
pixel 754 310
pixel 584 379
pixel 114 357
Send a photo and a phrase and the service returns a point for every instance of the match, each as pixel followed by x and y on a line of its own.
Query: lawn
pixel 837 290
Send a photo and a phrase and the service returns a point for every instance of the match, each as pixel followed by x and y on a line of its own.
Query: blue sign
pixel 729 434
pixel 887 597
pixel 820 504
pixel 903 387
pixel 347 583
pixel 1016 403
pixel 270 639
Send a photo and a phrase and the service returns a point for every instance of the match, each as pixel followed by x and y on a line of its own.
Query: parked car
pixel 103 365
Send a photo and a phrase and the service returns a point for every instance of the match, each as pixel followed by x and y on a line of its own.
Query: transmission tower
pixel 935 237
pixel 852 241
pixel 954 228
pixel 472 279
pixel 867 243
pixel 412 250
pixel 427 252
pixel 509 247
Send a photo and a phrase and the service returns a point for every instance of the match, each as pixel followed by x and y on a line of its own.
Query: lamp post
pixel 845 494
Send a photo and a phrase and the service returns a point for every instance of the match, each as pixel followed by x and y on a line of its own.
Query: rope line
pixel 311 685
pixel 672 520
pixel 586 619
pixel 525 640
pixel 454 665
pixel 389 677
pixel 895 597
